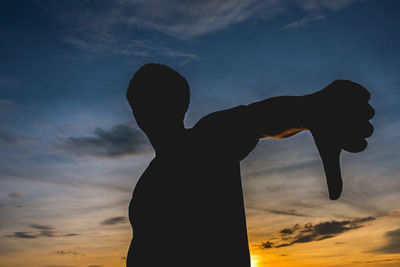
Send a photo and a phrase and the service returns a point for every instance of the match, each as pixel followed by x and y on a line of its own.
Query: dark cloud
pixel 289 231
pixel 71 234
pixel 44 231
pixel 267 244
pixel 2 206
pixel 393 243
pixel 24 235
pixel 121 140
pixel 114 220
pixel 280 212
pixel 316 232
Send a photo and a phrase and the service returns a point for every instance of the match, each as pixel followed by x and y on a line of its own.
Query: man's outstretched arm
pixel 340 110
pixel 337 116
pixel 280 117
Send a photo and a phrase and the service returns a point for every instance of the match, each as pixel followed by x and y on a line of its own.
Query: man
pixel 187 208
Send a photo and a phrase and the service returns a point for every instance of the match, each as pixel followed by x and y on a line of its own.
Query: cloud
pixel 316 232
pixel 267 244
pixel 2 206
pixel 44 231
pixel 24 235
pixel 71 234
pixel 97 42
pixel 111 26
pixel 114 220
pixel 178 18
pixel 121 140
pixel 304 21
pixel 393 243
pixel 318 9
pixel 280 212
pixel 316 5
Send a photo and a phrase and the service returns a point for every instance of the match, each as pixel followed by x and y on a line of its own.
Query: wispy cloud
pixel 315 232
pixel 97 42
pixel 304 21
pixel 318 9
pixel 109 26
pixel 176 18
pixel 313 5
pixel 180 18
pixel 291 212
pixel 121 140
pixel 114 220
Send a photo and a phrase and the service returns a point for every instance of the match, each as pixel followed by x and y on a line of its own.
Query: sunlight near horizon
pixel 254 261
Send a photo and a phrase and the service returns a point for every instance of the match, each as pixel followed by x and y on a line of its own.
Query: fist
pixel 340 116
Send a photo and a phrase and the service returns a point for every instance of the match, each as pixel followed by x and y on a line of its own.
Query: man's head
pixel 159 97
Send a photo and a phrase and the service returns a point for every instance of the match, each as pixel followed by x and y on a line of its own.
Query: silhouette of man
pixel 187 208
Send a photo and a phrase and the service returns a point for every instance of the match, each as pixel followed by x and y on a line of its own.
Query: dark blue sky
pixel 55 63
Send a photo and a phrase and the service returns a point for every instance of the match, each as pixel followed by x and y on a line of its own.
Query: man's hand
pixel 339 117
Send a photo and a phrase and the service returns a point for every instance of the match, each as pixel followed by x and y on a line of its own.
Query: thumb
pixel 329 151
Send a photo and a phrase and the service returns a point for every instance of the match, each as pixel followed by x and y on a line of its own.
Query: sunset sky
pixel 71 152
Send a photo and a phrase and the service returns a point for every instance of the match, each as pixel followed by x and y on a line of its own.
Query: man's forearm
pixel 280 117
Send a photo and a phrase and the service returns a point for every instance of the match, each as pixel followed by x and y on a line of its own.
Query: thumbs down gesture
pixel 340 121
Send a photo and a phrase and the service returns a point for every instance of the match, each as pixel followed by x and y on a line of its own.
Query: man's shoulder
pixel 221 118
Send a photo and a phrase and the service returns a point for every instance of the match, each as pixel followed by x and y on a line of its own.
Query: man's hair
pixel 156 85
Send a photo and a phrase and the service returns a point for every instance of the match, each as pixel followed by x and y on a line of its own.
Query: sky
pixel 71 152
